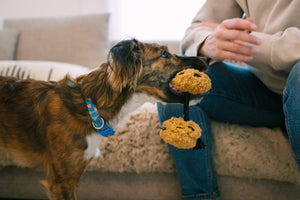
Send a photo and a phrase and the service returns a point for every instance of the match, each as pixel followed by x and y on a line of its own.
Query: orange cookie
pixel 179 133
pixel 191 81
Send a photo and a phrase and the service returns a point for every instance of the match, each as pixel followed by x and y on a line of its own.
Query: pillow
pixel 81 40
pixel 8 42
pixel 40 70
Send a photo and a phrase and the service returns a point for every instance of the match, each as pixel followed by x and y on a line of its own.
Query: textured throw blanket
pixel 238 151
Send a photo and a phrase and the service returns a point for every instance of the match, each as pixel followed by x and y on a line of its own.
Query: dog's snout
pixel 199 63
pixel 206 59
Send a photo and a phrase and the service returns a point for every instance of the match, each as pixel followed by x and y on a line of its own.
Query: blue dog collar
pixel 98 123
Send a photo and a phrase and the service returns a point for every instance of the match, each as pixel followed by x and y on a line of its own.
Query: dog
pixel 47 125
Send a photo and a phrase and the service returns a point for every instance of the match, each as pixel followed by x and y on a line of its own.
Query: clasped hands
pixel 231 39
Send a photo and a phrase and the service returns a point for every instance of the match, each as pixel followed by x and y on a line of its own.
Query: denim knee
pixel 194 167
pixel 291 107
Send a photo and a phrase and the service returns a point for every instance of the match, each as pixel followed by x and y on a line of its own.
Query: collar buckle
pixel 97 121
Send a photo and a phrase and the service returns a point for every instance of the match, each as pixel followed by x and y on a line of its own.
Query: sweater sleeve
pixel 193 39
pixel 280 50
pixel 212 11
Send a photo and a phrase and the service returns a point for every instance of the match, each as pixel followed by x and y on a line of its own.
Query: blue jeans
pixel 238 97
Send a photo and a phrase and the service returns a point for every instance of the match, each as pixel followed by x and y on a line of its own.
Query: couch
pixel 251 163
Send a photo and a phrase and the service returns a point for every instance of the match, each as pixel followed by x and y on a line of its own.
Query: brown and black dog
pixel 46 125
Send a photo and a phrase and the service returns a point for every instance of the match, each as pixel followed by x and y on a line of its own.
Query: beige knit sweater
pixel 278 24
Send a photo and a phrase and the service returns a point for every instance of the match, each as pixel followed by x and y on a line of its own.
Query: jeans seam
pixel 287 121
pixel 207 156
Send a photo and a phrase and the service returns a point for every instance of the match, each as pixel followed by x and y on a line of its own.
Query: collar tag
pixel 98 123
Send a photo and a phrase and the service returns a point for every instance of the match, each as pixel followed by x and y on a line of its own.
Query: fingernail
pixel 258 40
pixel 253 27
pixel 249 58
pixel 256 50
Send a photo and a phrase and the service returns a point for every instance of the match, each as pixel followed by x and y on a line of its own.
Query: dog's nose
pixel 135 45
pixel 206 59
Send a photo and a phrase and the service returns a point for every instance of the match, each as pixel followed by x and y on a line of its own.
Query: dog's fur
pixel 46 125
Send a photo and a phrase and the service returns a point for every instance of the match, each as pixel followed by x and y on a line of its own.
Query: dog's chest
pixel 93 150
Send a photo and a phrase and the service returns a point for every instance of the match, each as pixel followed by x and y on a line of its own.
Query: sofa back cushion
pixel 8 42
pixel 81 40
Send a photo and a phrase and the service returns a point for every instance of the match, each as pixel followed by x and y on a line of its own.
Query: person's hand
pixel 231 40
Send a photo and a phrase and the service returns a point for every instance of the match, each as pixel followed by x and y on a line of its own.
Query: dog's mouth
pixel 197 63
pixel 174 90
pixel 178 96
pixel 171 88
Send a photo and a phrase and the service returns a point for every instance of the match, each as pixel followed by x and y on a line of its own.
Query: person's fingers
pixel 231 40
pixel 240 24
pixel 233 56
pixel 221 49
pixel 238 48
pixel 233 35
pixel 250 20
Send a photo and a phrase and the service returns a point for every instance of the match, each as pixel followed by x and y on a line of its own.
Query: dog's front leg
pixel 64 190
pixel 66 164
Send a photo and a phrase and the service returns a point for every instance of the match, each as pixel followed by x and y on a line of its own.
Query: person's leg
pixel 194 167
pixel 291 106
pixel 237 96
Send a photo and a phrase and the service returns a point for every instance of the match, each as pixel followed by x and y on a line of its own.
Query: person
pixel 266 36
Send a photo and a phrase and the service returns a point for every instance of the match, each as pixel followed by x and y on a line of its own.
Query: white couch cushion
pixel 40 70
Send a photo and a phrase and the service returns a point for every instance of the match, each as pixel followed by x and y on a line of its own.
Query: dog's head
pixel 148 68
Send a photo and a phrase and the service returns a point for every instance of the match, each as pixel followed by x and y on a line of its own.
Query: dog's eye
pixel 166 54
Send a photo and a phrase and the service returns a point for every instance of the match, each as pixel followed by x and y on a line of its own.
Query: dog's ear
pixel 125 63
